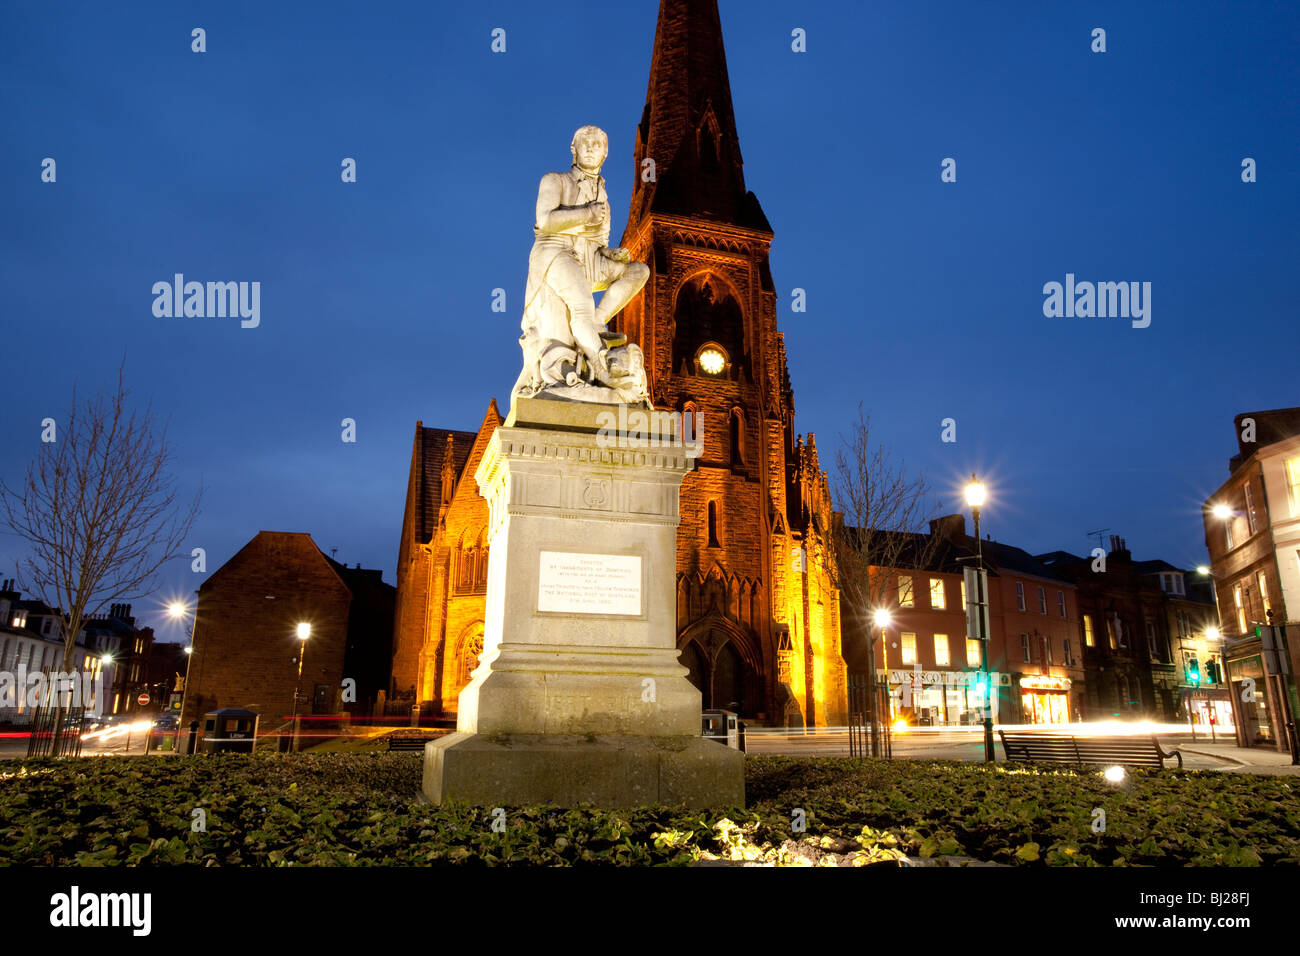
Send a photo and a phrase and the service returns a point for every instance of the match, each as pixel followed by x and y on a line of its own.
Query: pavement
pixel 968 744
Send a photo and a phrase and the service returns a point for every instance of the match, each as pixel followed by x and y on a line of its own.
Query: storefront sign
pixel 1030 682
pixel 1249 667
pixel 944 678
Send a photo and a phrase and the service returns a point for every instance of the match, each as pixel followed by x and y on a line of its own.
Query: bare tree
pixel 884 527
pixel 99 511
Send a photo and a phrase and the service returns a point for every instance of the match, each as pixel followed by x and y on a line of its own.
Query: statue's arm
pixel 552 216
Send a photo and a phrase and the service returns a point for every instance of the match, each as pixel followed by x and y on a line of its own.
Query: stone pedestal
pixel 579 696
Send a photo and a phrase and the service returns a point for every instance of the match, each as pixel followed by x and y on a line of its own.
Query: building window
pixel 1089 639
pixel 941 657
pixel 1065 648
pixel 1241 608
pixel 964 602
pixel 1020 595
pixel 471 650
pixel 909 647
pixel 1042 601
pixel 1024 645
pixel 19 619
pixel 1110 633
pixel 905 598
pixel 972 652
pixel 713 525
pixel 1151 640
pixel 737 437
pixel 1121 633
pixel 1250 509
pixel 1263 592
pixel 1227 531
pixel 936 594
pixel 1293 485
pixel 1060 604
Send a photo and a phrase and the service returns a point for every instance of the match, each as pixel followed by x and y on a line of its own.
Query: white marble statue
pixel 568 353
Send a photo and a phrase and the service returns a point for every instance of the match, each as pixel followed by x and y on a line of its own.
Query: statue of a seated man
pixel 568 352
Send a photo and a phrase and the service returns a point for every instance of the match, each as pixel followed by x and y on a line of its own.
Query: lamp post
pixel 975 498
pixel 881 620
pixel 304 632
pixel 178 610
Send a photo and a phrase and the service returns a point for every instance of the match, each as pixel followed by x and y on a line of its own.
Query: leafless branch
pixel 99 510
pixel 886 516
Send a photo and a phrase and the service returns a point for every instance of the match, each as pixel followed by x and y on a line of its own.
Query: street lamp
pixel 304 632
pixel 975 495
pixel 178 610
pixel 881 618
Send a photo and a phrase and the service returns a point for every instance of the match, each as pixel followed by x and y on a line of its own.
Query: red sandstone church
pixel 758 617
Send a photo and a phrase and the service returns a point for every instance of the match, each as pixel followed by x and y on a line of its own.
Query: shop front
pixel 1044 700
pixel 1252 700
pixel 938 698
pixel 1208 710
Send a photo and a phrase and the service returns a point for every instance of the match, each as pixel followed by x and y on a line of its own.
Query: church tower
pixel 758 615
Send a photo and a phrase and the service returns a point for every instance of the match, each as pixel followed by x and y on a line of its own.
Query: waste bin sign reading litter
pixel 724 727
pixel 228 730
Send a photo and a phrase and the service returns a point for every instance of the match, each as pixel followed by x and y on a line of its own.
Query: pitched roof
pixel 430 453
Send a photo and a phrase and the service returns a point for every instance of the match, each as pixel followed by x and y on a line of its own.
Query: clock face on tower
pixel 712 361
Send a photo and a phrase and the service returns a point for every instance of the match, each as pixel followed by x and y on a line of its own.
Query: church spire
pixel 688 128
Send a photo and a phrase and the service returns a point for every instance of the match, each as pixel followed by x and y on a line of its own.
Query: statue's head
pixel 589 147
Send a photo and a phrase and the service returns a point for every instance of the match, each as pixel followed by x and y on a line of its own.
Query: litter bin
pixel 228 730
pixel 724 727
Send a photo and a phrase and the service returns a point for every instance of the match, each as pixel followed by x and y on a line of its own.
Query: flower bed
pixel 363 809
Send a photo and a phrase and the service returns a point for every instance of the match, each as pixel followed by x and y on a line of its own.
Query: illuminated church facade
pixel 758 614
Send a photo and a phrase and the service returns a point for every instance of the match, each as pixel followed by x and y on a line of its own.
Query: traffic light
pixel 1211 671
pixel 1194 671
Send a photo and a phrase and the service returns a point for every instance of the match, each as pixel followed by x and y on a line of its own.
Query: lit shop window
pixel 909 647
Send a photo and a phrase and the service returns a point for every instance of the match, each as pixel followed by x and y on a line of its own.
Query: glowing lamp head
pixel 304 631
pixel 1203 570
pixel 1212 634
pixel 176 609
pixel 975 492
pixel 1222 512
pixel 1115 775
pixel 107 658
pixel 189 649
pixel 881 618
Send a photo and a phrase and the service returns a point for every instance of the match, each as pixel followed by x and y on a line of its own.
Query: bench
pixel 407 742
pixel 1134 751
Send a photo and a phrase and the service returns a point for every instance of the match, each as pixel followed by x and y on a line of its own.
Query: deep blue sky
pixel 924 298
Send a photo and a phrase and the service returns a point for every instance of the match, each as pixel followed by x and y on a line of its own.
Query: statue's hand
pixel 618 254
pixel 597 212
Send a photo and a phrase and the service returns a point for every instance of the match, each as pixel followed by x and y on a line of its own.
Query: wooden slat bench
pixel 1134 751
